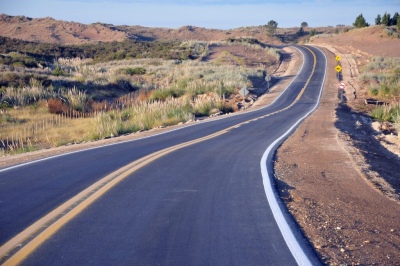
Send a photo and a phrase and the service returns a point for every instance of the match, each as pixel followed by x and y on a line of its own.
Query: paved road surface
pixel 204 204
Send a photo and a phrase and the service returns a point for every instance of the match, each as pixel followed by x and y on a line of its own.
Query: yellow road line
pixel 95 191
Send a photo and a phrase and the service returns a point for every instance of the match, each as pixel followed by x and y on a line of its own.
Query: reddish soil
pixel 330 175
pixel 49 30
pixel 362 43
pixel 247 56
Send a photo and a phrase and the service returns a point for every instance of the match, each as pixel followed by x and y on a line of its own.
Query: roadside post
pixel 268 79
pixel 341 91
pixel 243 92
pixel 338 68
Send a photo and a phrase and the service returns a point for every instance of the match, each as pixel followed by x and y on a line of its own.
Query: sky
pixel 216 14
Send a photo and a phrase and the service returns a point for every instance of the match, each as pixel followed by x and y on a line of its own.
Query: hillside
pixel 196 33
pixel 373 41
pixel 49 30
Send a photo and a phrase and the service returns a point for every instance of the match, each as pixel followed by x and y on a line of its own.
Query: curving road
pixel 201 204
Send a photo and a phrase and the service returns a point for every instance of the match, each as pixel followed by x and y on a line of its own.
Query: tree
pixel 395 19
pixel 398 23
pixel 360 22
pixel 378 20
pixel 386 19
pixel 304 24
pixel 300 32
pixel 271 27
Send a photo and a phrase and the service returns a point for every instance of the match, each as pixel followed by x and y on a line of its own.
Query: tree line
pixel 386 20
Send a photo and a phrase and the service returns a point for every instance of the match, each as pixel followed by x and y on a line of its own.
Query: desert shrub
pixel 58 72
pixel 4 105
pixel 313 32
pixel 163 94
pixel 25 96
pixel 57 106
pixel 132 71
pixel 77 99
pixel 386 113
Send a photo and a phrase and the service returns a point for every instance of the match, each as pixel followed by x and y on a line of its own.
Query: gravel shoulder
pixel 339 182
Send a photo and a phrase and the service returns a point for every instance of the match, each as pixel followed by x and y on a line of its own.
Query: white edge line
pixel 287 233
pixel 138 139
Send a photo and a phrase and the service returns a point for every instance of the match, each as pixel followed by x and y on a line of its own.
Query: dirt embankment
pixel 339 182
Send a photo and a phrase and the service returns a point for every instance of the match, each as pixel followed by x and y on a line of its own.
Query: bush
pixel 58 72
pixel 132 71
pixel 313 32
pixel 163 94
pixel 388 113
pixel 57 106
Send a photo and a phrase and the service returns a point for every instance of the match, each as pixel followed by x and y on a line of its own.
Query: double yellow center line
pixel 18 248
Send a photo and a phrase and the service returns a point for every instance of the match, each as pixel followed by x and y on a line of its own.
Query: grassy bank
pixel 381 77
pixel 72 100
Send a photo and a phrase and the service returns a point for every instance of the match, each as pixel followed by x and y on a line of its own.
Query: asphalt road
pixel 204 204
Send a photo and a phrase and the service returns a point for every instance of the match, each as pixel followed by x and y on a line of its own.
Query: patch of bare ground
pixel 239 55
pixel 362 43
pixel 339 183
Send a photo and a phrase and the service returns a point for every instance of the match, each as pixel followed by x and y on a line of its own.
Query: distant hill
pixel 196 33
pixel 48 30
pixel 373 40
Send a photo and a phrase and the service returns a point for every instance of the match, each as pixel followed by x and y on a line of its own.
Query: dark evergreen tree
pixel 398 23
pixel 378 20
pixel 386 19
pixel 395 19
pixel 360 22
pixel 271 27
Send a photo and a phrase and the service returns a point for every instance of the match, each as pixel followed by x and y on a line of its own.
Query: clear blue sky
pixel 219 14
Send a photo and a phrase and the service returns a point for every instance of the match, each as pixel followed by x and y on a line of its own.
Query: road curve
pixel 201 204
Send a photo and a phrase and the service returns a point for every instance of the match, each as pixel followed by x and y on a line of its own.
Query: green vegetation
pixel 382 77
pixel 101 52
pixel 360 22
pixel 313 32
pixel 99 91
pixel 387 20
pixel 271 27
pixel 132 71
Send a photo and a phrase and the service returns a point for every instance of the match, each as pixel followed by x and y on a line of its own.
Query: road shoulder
pixel 347 219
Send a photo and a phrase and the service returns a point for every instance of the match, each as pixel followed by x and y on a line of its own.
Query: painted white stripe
pixel 272 195
pixel 166 132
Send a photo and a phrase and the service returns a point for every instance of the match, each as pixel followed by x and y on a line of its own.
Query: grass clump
pixel 388 113
pixel 382 78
